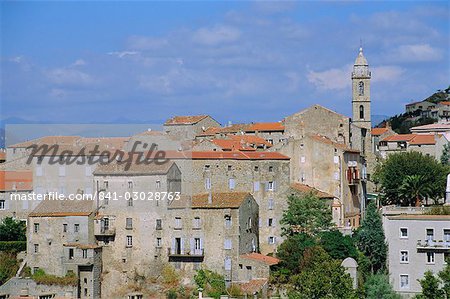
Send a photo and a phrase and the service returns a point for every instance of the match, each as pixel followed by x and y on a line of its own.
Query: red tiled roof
pixel 228 155
pixel 327 140
pixel 446 103
pixel 231 145
pixel 274 126
pixel 250 139
pixel 252 286
pixel 423 139
pixel 2 156
pixel 378 131
pixel 16 180
pixel 268 260
pixel 185 120
pixel 210 131
pixel 225 200
pixel 399 137
pixel 306 189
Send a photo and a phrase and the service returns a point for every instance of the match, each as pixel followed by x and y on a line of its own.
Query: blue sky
pixel 238 61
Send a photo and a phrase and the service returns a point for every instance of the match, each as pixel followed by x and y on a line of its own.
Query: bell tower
pixel 361 92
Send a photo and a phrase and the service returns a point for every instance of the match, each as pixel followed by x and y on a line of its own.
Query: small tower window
pixel 361 88
pixel 361 112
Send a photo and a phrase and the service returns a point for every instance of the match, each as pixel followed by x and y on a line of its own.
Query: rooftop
pixel 134 167
pixel 269 260
pixel 63 208
pixel 326 140
pixel 16 180
pixel 185 120
pixel 306 189
pixel 378 131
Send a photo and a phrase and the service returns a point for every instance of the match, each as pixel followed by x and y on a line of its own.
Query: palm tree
pixel 415 187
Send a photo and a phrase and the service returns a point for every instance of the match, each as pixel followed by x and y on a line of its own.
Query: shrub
pixel 40 277
pixel 13 246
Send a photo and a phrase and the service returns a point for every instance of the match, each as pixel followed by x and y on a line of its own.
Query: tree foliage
pixel 8 265
pixel 321 277
pixel 377 286
pixel 394 170
pixel 445 157
pixel 444 275
pixel 212 283
pixel 370 238
pixel 430 287
pixel 337 245
pixel 12 230
pixel 290 252
pixel 308 214
pixel 415 188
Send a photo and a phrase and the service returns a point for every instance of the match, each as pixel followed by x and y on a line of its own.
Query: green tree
pixel 321 277
pixel 445 157
pixel 212 283
pixel 444 275
pixel 290 252
pixel 12 230
pixel 370 238
pixel 414 188
pixel 430 287
pixel 337 245
pixel 378 287
pixel 8 265
pixel 308 214
pixel 393 171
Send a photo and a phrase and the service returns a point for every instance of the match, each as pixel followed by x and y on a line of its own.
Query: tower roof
pixel 361 60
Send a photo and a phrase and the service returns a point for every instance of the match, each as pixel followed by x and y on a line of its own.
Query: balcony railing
pixel 195 254
pixel 353 175
pixel 104 231
pixel 79 260
pixel 435 245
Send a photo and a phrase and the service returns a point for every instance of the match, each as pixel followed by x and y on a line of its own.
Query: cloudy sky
pixel 237 61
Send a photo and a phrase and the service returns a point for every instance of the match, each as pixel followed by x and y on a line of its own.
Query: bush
pixel 13 246
pixel 40 277
pixel 212 283
pixel 12 230
pixel 438 210
pixel 170 277
pixel 8 266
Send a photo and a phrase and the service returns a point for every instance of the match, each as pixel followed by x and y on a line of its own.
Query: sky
pixel 238 61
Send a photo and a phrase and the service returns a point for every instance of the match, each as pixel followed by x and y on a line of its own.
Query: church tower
pixel 361 92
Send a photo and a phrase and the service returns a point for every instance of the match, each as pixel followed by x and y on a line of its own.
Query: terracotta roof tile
pixel 378 131
pixel 306 189
pixel 185 120
pixel 268 260
pixel 327 140
pixel 16 180
pixel 63 208
pixel 231 145
pixel 253 286
pixel 228 155
pixel 423 140
pixel 266 127
pixel 399 137
pixel 2 156
pixel 226 200
pixel 446 103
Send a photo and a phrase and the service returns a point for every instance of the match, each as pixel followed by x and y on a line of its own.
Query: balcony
pixel 177 255
pixel 433 245
pixel 353 176
pixel 104 231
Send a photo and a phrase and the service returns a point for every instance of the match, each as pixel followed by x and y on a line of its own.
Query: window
pixel 404 281
pixel 130 184
pixel 404 256
pixel 446 235
pixel 272 240
pixel 270 204
pixel 228 221
pixel 105 185
pixel 430 257
pixel 208 183
pixel 227 244
pixel 39 170
pixel 207 167
pixel 229 168
pixel 158 242
pixel 231 183
pixel 85 253
pixel 177 223
pixel 2 204
pixel 403 232
pixel 430 234
pixel 270 222
pixel 36 248
pixel 129 223
pixel 130 202
pixel 36 227
pixel 227 263
pixel 249 223
pixel 270 168
pixel 256 168
pixel 197 246
pixel 76 228
pixel 255 186
pixel 65 227
pixel 158 224
pixel 158 184
pixel 361 88
pixel 271 186
pixel 361 112
pixel 62 170
pixel 197 222
pixel 71 253
pixel 129 241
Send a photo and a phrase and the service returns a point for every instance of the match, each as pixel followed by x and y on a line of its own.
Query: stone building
pixel 61 241
pixel 187 127
pixel 14 187
pixel 416 243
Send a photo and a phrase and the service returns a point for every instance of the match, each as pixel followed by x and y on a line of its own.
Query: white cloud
pixel 332 79
pixel 416 53
pixel 387 73
pixel 78 62
pixel 122 54
pixel 216 35
pixel 67 76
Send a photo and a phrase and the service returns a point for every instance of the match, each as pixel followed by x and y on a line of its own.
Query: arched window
pixel 361 88
pixel 361 112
